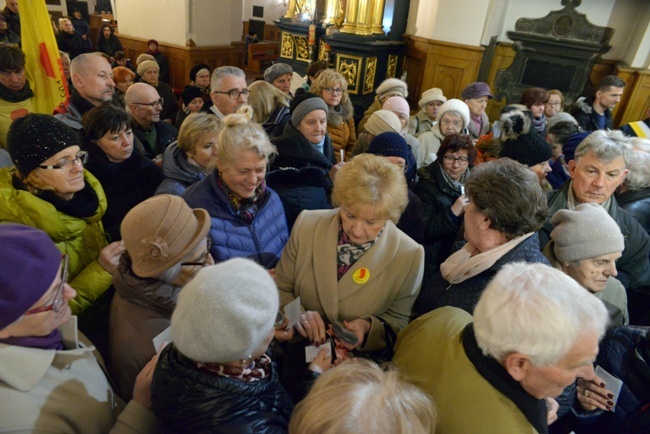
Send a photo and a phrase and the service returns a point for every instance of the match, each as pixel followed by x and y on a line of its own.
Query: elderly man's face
pixel 593 273
pixel 550 381
pixel 595 180
pixel 12 5
pixel 147 107
pixel 96 82
pixel 222 100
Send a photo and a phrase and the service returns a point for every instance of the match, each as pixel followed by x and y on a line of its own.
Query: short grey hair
pixel 224 71
pixel 536 310
pixel 605 145
pixel 639 176
pixel 79 65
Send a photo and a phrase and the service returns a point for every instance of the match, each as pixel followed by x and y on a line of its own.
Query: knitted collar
pixel 14 97
pixel 532 408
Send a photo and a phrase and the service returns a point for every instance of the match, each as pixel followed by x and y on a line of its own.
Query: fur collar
pixel 340 114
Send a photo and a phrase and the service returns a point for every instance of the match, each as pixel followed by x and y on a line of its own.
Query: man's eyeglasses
pixel 333 90
pixel 451 159
pixel 81 158
pixel 204 260
pixel 57 303
pixel 158 103
pixel 234 94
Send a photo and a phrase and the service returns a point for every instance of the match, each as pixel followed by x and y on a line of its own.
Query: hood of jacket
pixel 175 166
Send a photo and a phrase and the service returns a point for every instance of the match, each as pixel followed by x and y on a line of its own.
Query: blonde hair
pixel 359 396
pixel 264 98
pixel 33 183
pixel 330 78
pixel 195 127
pixel 371 180
pixel 238 134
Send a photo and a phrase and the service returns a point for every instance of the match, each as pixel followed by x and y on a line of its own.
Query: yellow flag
pixel 42 61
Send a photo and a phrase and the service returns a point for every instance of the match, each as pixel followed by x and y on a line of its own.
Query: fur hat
pixel 304 103
pixel 147 64
pixel 29 263
pixel 34 138
pixel 476 90
pixel 226 312
pixel 159 232
pixel 190 93
pixel 276 70
pixel 430 95
pixel 383 121
pixel 195 70
pixel 458 106
pixel 389 145
pixel 519 142
pixel 397 104
pixel 394 86
pixel 559 117
pixel 585 232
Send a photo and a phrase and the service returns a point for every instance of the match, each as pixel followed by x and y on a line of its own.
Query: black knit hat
pixel 195 70
pixel 35 138
pixel 389 145
pixel 191 92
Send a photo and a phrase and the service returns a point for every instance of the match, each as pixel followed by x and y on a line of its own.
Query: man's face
pixel 610 97
pixel 12 80
pixel 594 180
pixel 12 5
pixel 222 101
pixel 96 82
pixel 146 110
pixel 593 273
pixel 549 381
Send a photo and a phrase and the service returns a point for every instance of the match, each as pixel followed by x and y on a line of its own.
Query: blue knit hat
pixel 389 145
pixel 29 263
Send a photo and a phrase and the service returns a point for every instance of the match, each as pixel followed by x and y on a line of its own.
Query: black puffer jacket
pixel 637 203
pixel 188 400
pixel 300 173
pixel 440 224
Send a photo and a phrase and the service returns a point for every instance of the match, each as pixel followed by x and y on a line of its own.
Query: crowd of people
pixel 252 259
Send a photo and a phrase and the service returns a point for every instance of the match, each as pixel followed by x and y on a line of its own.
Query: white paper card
pixel 164 337
pixel 292 312
pixel 612 383
pixel 311 351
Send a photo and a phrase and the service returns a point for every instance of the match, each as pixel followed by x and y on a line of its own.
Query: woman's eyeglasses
pixel 204 260
pixel 81 158
pixel 333 90
pixel 57 303
pixel 451 159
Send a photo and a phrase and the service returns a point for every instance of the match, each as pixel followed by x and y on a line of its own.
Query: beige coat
pixel 307 269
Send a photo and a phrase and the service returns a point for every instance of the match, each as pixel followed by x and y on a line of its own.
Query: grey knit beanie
pixel 226 312
pixel 304 103
pixel 585 232
pixel 276 70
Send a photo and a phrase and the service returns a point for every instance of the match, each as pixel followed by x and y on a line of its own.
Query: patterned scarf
pixel 348 253
pixel 455 185
pixel 257 370
pixel 540 124
pixel 244 208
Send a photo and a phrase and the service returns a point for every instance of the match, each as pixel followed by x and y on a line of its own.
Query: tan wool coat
pixel 394 267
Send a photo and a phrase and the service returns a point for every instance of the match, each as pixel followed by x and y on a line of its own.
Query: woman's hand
pixel 282 334
pixel 551 410
pixel 592 394
pixel 109 256
pixel 142 387
pixel 322 362
pixel 360 327
pixel 312 327
pixel 458 208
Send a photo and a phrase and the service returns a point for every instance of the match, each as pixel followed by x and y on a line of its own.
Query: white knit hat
pixel 430 95
pixel 457 106
pixel 225 313
pixel 395 85
pixel 383 121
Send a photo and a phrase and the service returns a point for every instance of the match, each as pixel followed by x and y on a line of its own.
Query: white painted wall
pixel 273 9
pixel 163 20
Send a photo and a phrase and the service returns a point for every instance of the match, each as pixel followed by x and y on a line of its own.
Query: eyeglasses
pixel 333 90
pixel 206 255
pixel 451 160
pixel 234 94
pixel 553 104
pixel 81 158
pixel 158 103
pixel 446 123
pixel 57 303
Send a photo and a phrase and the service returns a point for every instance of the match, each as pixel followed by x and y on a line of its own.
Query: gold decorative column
pixel 291 9
pixel 334 13
pixel 364 17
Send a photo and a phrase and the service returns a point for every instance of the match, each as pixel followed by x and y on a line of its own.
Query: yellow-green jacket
pixel 80 238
